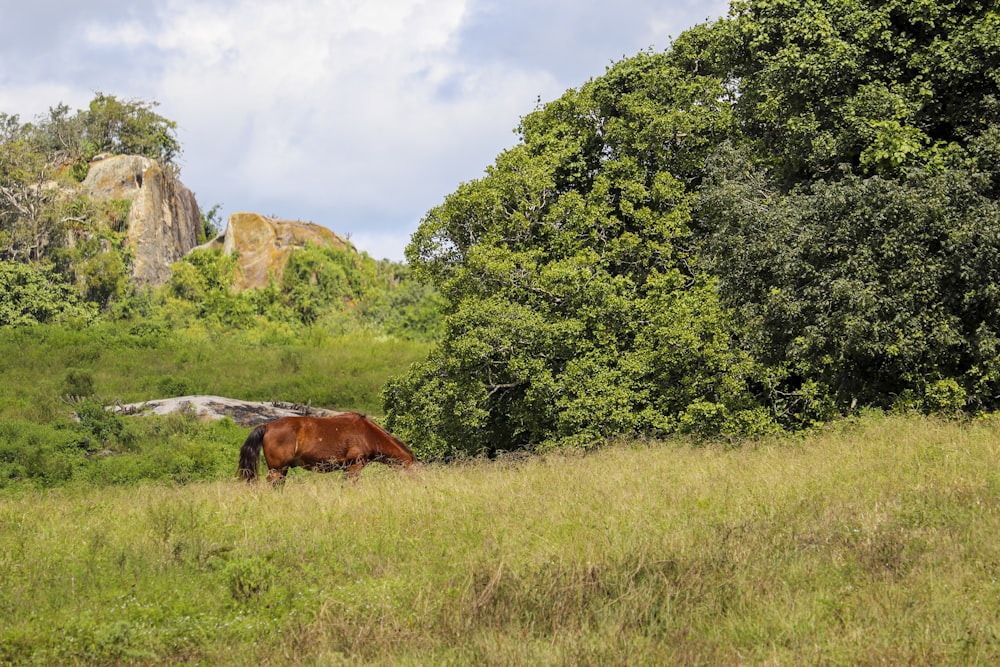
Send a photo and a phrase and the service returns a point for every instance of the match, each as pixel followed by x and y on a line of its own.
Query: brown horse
pixel 347 441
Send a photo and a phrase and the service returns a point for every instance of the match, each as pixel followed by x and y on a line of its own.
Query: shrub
pixel 38 454
pixel 33 294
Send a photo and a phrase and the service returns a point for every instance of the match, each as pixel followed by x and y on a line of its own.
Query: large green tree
pixel 790 214
pixel 574 312
pixel 879 85
pixel 854 225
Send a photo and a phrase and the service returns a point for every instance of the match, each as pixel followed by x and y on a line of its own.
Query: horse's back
pixel 339 439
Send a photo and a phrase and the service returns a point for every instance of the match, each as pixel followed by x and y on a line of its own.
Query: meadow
pixel 57 381
pixel 872 541
pixel 43 365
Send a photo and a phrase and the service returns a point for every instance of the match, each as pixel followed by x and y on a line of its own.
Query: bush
pixel 38 454
pixel 33 294
pixel 944 397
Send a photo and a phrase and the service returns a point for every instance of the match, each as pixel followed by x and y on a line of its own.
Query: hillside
pixel 97 225
pixel 55 430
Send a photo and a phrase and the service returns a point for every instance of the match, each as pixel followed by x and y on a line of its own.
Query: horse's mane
pixel 402 445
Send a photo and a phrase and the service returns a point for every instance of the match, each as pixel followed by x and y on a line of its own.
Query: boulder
pixel 264 244
pixel 207 408
pixel 163 220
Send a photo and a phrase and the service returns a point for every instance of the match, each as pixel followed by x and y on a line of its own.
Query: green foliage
pixel 404 306
pixel 104 425
pixel 202 274
pixel 31 294
pixel 28 209
pixel 104 448
pixel 945 396
pixel 96 257
pixel 38 454
pixel 111 125
pixel 319 279
pixel 176 448
pixel 878 85
pixel 572 313
pixel 335 289
pixel 202 287
pixel 866 288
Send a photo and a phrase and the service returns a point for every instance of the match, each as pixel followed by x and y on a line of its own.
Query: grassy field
pixel 873 542
pixel 52 373
pixel 41 365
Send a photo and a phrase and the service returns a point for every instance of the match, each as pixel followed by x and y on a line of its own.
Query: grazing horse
pixel 347 441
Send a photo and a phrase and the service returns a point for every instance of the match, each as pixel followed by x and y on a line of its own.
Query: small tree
pixel 128 127
pixel 31 294
pixel 27 217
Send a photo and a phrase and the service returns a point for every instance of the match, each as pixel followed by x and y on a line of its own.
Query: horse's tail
pixel 250 453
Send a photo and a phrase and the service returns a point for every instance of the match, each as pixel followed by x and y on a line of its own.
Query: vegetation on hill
pixel 63 255
pixel 788 216
pixel 78 336
pixel 37 161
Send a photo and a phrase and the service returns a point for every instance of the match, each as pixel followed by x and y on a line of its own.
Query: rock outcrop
pixel 263 245
pixel 163 220
pixel 207 408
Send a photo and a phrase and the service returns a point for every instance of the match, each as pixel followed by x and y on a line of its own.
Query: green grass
pixel 127 363
pixel 52 373
pixel 873 542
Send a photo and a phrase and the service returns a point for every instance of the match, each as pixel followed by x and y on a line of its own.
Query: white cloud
pixel 346 106
pixel 129 34
pixel 384 245
pixel 357 115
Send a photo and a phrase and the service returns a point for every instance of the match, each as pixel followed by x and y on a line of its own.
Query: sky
pixel 359 116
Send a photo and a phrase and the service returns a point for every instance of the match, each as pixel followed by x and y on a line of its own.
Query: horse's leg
pixel 276 476
pixel 354 469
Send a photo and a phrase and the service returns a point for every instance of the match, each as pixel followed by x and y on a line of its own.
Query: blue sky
pixel 360 116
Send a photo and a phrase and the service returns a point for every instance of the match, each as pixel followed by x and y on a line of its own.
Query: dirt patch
pixel 244 413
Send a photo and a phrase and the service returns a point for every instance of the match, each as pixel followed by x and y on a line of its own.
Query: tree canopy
pixel 788 215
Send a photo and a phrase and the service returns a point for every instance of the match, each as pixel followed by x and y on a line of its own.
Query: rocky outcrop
pixel 163 220
pixel 207 408
pixel 263 245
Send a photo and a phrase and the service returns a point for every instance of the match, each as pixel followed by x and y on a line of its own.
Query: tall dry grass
pixel 873 542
